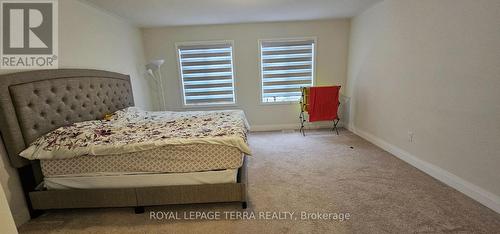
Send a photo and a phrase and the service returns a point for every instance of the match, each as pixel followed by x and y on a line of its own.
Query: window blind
pixel 207 73
pixel 286 66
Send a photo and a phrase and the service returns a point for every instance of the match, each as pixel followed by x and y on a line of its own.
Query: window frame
pixel 181 78
pixel 290 39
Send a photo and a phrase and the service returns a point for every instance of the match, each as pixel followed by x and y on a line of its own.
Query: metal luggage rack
pixel 304 104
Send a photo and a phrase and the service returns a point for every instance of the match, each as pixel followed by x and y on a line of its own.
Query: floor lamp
pixel 153 69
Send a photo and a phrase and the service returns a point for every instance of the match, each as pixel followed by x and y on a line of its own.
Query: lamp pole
pixel 151 67
pixel 164 108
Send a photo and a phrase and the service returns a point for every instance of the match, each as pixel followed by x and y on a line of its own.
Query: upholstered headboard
pixel 35 102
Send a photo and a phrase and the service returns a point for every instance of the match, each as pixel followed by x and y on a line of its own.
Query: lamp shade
pixel 155 64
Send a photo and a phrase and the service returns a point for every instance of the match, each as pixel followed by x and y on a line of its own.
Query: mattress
pixel 111 181
pixel 165 159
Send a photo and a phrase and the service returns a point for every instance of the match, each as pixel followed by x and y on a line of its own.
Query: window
pixel 286 65
pixel 206 71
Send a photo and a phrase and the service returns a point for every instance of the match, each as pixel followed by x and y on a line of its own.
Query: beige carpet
pixel 322 172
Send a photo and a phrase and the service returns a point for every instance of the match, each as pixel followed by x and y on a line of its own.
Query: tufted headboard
pixel 35 102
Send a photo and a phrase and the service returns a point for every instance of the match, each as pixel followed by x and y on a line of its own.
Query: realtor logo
pixel 29 35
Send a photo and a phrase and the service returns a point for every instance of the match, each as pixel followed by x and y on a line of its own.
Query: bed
pixel 171 171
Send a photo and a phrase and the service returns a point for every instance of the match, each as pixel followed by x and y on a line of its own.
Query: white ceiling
pixel 150 13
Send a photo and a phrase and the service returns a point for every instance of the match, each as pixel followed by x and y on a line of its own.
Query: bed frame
pixel 36 102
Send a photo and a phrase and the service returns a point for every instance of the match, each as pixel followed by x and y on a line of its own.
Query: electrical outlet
pixel 410 136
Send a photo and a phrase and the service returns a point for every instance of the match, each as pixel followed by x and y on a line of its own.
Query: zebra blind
pixel 207 73
pixel 286 66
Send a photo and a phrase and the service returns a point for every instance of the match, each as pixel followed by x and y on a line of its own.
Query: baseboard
pixel 475 192
pixel 273 127
pixel 296 126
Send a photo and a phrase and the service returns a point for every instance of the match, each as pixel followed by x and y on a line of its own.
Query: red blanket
pixel 323 103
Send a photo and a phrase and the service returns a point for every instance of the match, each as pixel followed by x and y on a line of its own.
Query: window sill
pixel 279 103
pixel 208 106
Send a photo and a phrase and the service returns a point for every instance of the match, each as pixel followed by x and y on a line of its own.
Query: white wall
pixel 91 38
pixel 6 220
pixel 88 38
pixel 432 67
pixel 331 61
pixel 11 185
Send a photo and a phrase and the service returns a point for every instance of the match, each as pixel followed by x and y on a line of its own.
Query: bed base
pixel 141 197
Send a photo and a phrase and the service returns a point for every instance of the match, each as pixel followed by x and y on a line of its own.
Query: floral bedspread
pixel 132 130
